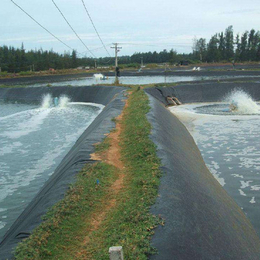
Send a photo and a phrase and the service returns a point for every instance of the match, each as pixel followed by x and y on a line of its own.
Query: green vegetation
pixel 101 147
pixel 225 46
pixel 68 216
pixel 222 47
pixel 15 60
pixel 67 232
pixel 12 86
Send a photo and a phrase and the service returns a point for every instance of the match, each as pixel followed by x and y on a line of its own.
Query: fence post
pixel 116 253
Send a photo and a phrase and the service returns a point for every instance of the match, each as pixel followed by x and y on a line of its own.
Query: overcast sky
pixel 138 25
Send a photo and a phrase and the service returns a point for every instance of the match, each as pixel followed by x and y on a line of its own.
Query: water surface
pixel 229 144
pixel 135 80
pixel 33 141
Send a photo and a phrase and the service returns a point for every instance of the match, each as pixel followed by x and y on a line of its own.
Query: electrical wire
pixel 96 49
pixel 73 29
pixel 95 27
pixel 42 26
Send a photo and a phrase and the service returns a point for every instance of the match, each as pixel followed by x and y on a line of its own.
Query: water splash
pixel 98 76
pixel 63 101
pixel 46 101
pixel 243 102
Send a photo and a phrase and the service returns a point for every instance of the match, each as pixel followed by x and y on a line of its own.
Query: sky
pixel 137 25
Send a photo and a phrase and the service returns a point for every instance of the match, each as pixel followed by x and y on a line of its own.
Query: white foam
pixel 252 200
pixel 237 175
pixel 234 140
pixel 98 76
pixel 216 174
pixel 255 187
pixel 245 184
pixel 9 148
pixel 2 224
pixel 30 123
pixel 242 193
pixel 87 104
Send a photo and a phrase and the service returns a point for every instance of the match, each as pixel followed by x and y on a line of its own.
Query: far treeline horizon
pixel 222 47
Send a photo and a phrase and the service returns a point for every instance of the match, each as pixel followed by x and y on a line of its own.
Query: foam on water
pixel 229 145
pixel 32 143
pixel 29 121
pixel 87 104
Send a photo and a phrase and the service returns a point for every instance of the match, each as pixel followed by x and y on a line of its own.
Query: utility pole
pixel 142 62
pixel 117 49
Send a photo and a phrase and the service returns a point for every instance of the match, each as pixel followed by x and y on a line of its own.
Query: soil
pixel 111 156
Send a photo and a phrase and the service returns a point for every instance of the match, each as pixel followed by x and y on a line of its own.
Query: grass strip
pixel 67 218
pixel 12 86
pixel 129 223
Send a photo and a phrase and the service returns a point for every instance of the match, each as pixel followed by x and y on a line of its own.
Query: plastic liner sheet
pixel 203 92
pixel 95 94
pixel 201 220
pixel 56 186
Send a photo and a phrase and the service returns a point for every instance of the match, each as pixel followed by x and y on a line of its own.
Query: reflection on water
pixel 230 147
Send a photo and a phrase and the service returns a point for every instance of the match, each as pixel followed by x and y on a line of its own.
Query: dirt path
pixel 111 156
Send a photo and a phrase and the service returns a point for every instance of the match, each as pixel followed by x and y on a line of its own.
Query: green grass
pixel 101 147
pixel 12 86
pixel 67 218
pixel 129 223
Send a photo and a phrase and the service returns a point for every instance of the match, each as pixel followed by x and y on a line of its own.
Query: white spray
pixel 63 101
pixel 46 101
pixel 243 102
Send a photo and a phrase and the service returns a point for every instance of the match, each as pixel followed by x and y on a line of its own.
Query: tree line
pixel 17 60
pixel 223 46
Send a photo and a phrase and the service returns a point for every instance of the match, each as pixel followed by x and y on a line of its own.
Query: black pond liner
pixel 64 175
pixel 201 220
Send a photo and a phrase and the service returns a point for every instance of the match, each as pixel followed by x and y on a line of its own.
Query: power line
pixel 73 29
pixel 95 27
pixel 96 49
pixel 41 25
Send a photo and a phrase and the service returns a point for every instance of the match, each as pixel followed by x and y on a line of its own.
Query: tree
pixel 174 58
pixel 222 46
pixel 238 47
pixel 229 48
pixel 213 53
pixel 200 49
pixel 23 60
pixel 253 40
pixel 243 47
pixel 74 62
